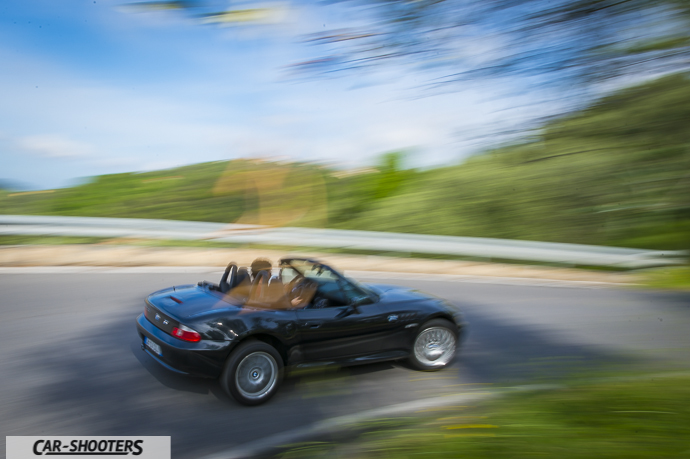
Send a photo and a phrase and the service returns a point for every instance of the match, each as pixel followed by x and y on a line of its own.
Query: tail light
pixel 186 334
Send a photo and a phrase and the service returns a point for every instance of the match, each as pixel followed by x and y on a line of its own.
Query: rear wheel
pixel 435 345
pixel 252 373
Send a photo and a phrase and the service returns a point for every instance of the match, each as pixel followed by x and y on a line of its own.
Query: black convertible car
pixel 249 326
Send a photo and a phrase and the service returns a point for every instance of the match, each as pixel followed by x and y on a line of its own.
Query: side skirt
pixel 372 358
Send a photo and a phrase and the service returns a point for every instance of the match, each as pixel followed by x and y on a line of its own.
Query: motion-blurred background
pixel 527 120
pixel 548 121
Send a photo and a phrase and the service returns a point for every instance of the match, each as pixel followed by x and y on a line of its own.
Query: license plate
pixel 153 346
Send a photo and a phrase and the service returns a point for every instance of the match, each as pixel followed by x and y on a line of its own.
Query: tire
pixel 252 373
pixel 434 346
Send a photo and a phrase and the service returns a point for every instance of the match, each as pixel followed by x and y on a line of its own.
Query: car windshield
pixel 313 270
pixel 323 274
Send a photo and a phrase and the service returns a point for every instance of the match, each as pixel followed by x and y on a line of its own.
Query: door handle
pixel 312 324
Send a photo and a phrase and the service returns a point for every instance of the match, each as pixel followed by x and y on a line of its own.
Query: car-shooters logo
pixel 110 447
pixel 85 447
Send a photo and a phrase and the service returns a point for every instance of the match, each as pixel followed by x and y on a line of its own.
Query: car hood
pixel 188 301
pixel 397 294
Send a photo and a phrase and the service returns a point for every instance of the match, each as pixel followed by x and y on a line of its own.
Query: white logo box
pixel 88 447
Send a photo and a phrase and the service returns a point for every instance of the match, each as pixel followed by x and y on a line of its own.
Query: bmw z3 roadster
pixel 252 324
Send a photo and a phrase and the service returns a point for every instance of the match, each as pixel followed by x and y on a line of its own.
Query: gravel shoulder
pixel 97 255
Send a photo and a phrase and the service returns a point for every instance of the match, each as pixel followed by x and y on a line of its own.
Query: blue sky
pixel 88 88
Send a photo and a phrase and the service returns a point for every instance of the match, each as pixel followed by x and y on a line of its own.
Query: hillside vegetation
pixel 616 173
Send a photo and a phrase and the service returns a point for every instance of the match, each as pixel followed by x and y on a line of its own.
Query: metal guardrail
pixel 504 249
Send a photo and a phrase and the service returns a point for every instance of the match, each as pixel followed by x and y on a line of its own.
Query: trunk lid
pixel 187 301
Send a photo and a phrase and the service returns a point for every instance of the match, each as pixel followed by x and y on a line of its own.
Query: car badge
pixel 158 317
pixel 165 322
pixel 392 318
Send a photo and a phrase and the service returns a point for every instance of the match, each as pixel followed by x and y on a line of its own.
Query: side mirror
pixel 347 310
pixel 360 301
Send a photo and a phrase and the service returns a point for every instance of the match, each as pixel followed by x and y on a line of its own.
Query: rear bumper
pixel 205 358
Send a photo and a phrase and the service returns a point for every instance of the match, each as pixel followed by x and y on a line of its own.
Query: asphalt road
pixel 72 363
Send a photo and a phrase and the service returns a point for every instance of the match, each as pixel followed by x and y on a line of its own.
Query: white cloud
pixel 54 146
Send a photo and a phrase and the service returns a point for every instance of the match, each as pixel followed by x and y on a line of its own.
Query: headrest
pixel 242 277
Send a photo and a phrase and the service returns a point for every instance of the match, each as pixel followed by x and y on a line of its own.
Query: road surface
pixel 72 362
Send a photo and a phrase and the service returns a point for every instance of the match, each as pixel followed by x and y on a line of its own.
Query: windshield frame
pixel 288 263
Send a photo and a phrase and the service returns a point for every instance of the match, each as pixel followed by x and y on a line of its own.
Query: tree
pixel 555 42
pixel 549 42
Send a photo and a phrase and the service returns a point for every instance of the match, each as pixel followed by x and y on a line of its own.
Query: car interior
pixel 300 283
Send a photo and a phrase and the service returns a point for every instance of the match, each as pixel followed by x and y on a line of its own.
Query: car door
pixel 339 321
pixel 340 332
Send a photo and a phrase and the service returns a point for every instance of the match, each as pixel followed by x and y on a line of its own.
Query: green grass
pixel 633 419
pixel 48 240
pixel 672 278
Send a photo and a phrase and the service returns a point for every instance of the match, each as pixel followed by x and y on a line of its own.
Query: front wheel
pixel 435 345
pixel 253 372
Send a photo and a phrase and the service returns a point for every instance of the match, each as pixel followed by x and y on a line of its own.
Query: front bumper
pixel 205 358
